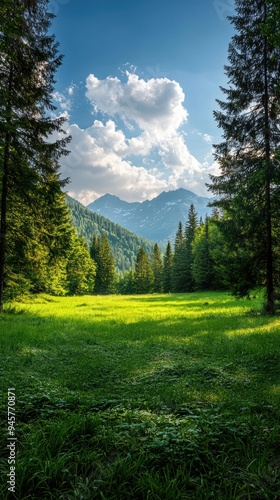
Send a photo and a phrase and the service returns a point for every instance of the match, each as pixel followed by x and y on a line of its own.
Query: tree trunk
pixel 3 223
pixel 4 195
pixel 270 307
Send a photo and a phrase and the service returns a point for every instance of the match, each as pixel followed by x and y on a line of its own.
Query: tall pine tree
pixel 179 264
pixel 81 269
pixel 249 184
pixel 143 276
pixel 168 269
pixel 203 263
pixel 191 226
pixel 28 158
pixel 157 268
pixel 100 251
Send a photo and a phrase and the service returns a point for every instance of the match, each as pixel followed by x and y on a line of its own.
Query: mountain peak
pixel 156 219
pixel 107 200
pixel 108 196
pixel 177 193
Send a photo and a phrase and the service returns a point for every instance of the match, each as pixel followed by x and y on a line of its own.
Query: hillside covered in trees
pixel 123 243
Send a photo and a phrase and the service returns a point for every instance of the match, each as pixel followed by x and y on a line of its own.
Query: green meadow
pixel 160 397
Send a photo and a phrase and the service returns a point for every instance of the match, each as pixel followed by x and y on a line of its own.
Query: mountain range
pixel 124 244
pixel 157 219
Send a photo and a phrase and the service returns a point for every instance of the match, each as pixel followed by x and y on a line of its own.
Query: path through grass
pixel 142 397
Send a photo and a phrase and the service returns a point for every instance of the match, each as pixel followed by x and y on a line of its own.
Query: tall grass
pixel 142 397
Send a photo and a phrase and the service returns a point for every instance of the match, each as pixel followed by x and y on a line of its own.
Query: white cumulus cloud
pixel 155 105
pixel 136 148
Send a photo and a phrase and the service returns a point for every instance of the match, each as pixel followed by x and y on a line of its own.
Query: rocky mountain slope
pixel 157 219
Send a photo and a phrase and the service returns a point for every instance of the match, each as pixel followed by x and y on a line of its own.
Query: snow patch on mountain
pixel 156 219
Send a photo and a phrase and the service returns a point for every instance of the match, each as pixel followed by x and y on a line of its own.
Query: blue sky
pixel 138 86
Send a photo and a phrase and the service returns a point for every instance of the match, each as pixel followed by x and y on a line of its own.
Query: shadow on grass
pixel 99 399
pixel 208 356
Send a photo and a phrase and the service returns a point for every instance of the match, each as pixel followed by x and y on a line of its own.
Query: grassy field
pixel 162 397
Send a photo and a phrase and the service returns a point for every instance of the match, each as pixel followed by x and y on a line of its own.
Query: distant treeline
pixel 195 262
pixel 124 244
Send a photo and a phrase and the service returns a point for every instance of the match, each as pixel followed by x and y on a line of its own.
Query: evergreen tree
pixel 210 257
pixel 81 269
pixel 126 283
pixel 179 262
pixel 191 226
pixel 47 252
pixel 219 252
pixel 157 268
pixel 203 264
pixel 107 276
pixel 123 243
pixel 28 159
pixel 272 28
pixel 100 251
pixel 168 269
pixel 248 186
pixel 95 248
pixel 143 277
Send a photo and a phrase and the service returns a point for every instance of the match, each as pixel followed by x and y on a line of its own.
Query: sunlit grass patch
pixel 157 396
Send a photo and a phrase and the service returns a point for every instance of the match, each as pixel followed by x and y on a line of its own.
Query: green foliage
pixel 143 276
pixel 81 269
pixel 240 270
pixel 100 252
pixel 179 262
pixel 203 264
pixel 30 238
pixel 209 264
pixel 190 230
pixel 157 268
pixel 168 269
pixel 272 25
pixel 125 285
pixel 124 244
pixel 248 183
